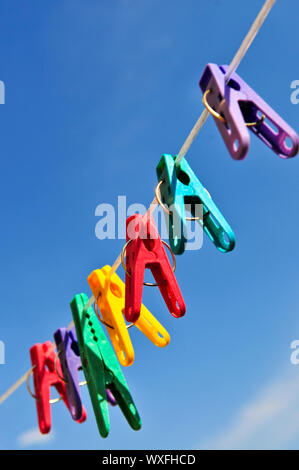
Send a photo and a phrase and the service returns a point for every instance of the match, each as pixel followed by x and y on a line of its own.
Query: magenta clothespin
pixel 236 108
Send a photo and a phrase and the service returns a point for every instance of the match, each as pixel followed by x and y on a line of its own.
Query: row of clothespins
pixel 235 108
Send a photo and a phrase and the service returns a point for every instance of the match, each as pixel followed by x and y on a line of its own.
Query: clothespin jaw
pixel 44 376
pixel 145 250
pixel 236 108
pixel 109 292
pixel 180 186
pixel 101 367
pixel 70 360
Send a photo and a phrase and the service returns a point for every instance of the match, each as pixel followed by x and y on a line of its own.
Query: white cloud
pixel 33 436
pixel 267 422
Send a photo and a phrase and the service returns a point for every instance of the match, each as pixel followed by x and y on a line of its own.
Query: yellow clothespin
pixel 109 294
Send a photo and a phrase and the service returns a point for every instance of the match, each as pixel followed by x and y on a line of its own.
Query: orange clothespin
pixel 109 293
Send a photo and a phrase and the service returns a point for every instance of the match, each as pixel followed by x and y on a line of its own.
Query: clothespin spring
pixel 159 199
pixel 149 284
pixel 52 401
pixel 98 314
pixel 221 118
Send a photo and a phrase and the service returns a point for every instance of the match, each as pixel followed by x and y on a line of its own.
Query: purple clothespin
pixel 236 107
pixel 69 355
pixel 110 398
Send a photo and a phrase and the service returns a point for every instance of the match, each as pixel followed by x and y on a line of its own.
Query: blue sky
pixel 96 92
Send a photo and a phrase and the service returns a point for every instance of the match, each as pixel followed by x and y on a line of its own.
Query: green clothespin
pixel 180 186
pixel 101 368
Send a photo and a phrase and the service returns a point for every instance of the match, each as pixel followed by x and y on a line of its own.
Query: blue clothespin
pixel 179 186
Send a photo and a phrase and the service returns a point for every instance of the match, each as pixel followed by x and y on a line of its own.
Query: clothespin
pixel 70 360
pixel 46 373
pixel 236 107
pixel 179 186
pixel 101 368
pixel 144 249
pixel 109 292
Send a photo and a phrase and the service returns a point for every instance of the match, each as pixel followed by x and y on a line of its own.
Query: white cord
pixel 257 24
pixel 248 40
pixel 14 387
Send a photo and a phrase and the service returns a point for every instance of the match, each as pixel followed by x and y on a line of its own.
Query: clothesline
pixel 257 24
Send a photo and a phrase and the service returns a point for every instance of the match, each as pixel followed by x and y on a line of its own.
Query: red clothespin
pixel 144 249
pixel 46 372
